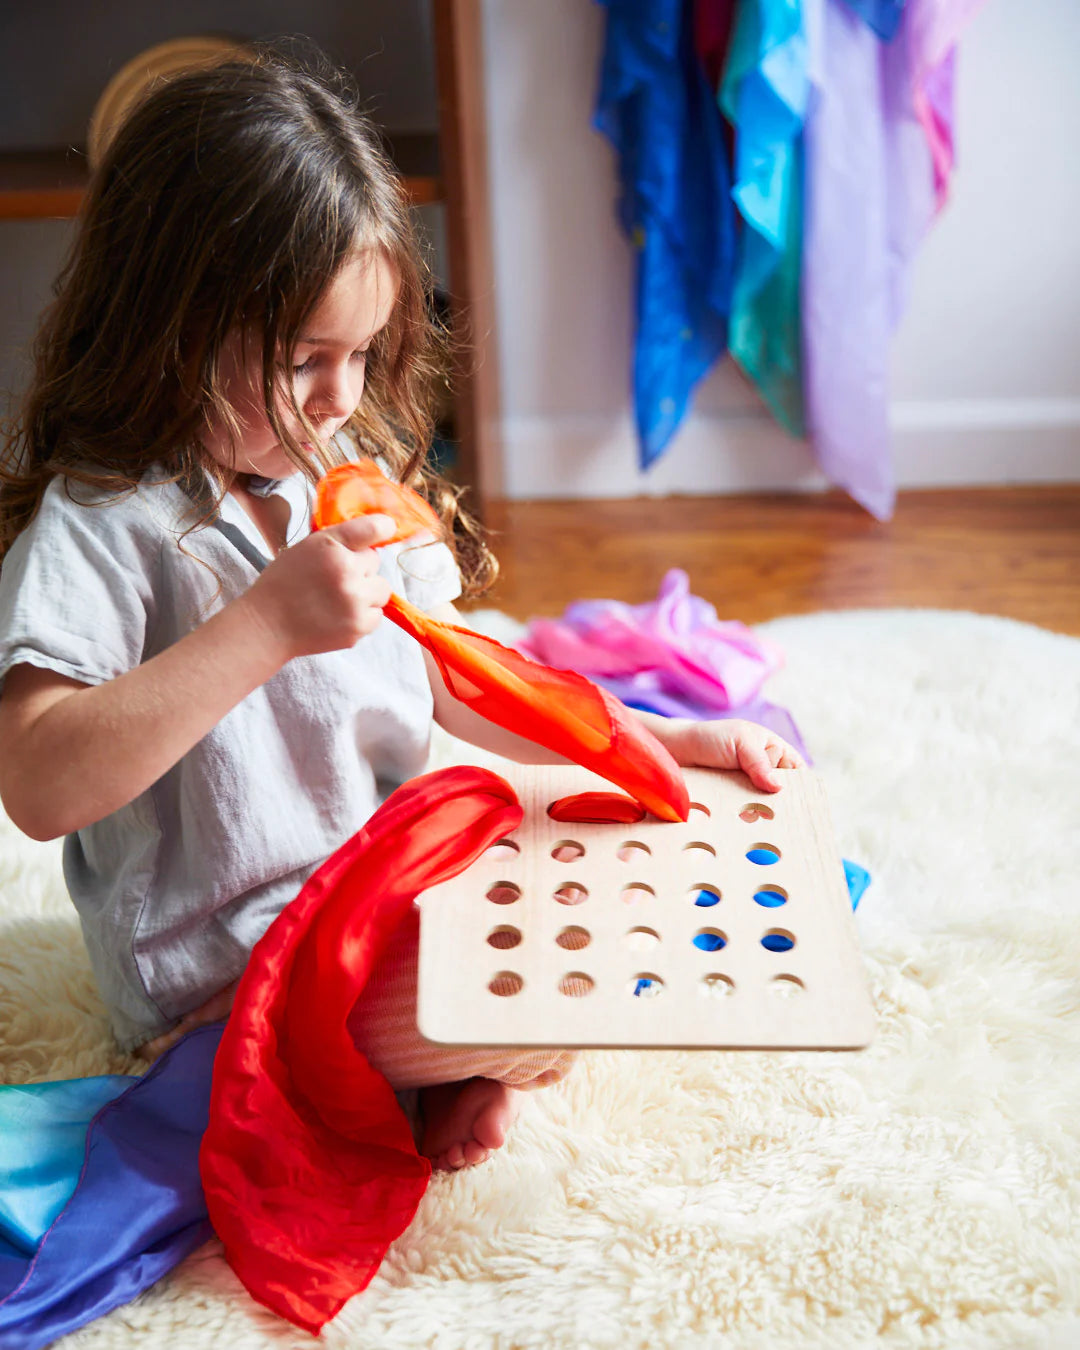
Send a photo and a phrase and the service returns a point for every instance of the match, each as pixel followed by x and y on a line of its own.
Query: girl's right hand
pixel 324 593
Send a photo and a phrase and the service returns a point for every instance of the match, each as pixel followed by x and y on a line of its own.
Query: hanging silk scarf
pixel 933 30
pixel 712 32
pixel 883 16
pixel 662 120
pixel 764 95
pixel 873 186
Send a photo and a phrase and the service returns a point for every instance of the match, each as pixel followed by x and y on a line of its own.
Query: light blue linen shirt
pixel 174 889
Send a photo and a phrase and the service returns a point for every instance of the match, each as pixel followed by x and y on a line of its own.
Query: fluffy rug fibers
pixel 924 1192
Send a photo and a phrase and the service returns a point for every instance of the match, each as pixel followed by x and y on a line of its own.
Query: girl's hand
pixel 734 744
pixel 325 593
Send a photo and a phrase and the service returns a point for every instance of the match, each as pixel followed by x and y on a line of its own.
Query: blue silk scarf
pixel 104 1197
pixel 660 115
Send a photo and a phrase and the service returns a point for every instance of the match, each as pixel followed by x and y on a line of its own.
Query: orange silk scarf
pixel 558 709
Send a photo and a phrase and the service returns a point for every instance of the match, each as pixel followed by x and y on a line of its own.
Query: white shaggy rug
pixel 923 1193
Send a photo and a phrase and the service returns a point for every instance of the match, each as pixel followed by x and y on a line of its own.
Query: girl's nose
pixel 339 392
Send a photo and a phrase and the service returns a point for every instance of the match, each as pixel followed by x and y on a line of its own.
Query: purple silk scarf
pixel 671 656
pixel 878 154
pixel 136 1211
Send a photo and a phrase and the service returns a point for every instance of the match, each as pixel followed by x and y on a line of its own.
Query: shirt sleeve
pixel 429 574
pixel 76 588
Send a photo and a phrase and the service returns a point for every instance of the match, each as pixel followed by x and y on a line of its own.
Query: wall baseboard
pixel 935 444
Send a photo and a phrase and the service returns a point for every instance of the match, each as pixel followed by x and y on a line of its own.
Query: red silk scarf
pixel 308 1163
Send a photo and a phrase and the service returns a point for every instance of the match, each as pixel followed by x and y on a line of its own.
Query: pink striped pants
pixel 383 1027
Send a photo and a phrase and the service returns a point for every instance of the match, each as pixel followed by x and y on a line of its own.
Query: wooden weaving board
pixel 588 931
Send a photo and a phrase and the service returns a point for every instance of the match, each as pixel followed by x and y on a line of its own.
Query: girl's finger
pixel 755 764
pixel 361 531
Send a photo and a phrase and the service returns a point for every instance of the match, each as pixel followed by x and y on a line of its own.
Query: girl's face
pixel 326 373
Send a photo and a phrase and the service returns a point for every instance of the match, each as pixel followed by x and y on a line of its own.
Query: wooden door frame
pixel 459 59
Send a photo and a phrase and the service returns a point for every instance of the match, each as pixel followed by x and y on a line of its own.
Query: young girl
pixel 198 693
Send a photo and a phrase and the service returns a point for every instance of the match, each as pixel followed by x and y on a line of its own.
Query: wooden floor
pixel 1011 551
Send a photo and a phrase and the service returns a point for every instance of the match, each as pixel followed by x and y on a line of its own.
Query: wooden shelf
pixel 38 184
pixel 49 184
pixel 448 168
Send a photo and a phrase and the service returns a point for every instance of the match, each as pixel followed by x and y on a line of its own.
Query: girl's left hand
pixel 734 744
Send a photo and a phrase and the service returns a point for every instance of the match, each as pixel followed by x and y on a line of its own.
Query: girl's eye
pixel 309 365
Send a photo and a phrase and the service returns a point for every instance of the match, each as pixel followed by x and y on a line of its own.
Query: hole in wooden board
pixel 699 850
pixel 632 851
pixel 572 939
pixel 710 940
pixel 764 854
pixel 571 894
pixel 704 896
pixel 786 986
pixel 504 937
pixel 771 897
pixel 778 940
pixel 641 939
pixel 503 893
pixel 716 986
pixel 699 808
pixel 576 985
pixel 567 850
pixel 502 850
pixel 635 893
pixel 753 811
pixel 506 983
pixel 646 985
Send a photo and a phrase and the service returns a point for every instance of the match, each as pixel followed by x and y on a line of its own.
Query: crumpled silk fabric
pixel 661 117
pixel 558 709
pixel 43 1132
pixel 135 1209
pixel 877 160
pixel 671 656
pixel 308 1162
pixel 636 694
pixel 360 488
pixel 675 644
pixel 764 96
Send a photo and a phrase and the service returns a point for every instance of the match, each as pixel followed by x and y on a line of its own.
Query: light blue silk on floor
pixel 42 1141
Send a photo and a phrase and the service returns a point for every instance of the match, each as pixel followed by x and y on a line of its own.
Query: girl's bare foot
pixel 464 1122
pixel 213 1010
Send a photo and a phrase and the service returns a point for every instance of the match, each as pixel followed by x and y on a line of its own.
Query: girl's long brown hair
pixel 228 199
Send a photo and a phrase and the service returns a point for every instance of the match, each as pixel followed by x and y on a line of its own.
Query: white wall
pixel 986 365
